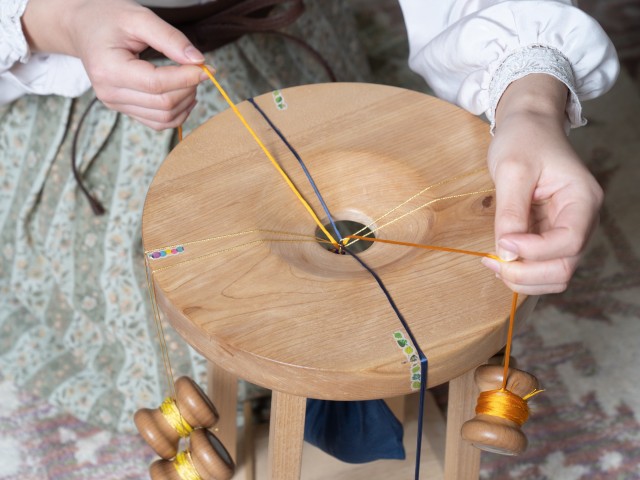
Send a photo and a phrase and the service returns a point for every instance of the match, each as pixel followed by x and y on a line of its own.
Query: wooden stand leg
pixel 248 442
pixel 286 435
pixel 222 389
pixel 462 460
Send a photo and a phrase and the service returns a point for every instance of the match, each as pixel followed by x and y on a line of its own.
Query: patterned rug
pixel 582 344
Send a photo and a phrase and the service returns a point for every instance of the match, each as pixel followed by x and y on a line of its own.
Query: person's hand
pixel 108 36
pixel 547 202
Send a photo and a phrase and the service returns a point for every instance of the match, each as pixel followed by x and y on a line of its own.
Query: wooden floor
pixel 316 465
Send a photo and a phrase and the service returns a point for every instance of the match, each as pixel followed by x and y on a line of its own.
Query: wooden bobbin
pixel 195 408
pixel 493 433
pixel 208 460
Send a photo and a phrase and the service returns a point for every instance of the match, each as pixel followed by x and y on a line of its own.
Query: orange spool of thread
pixel 207 459
pixel 501 410
pixel 176 418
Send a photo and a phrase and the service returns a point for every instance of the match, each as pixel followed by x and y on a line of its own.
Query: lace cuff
pixel 13 44
pixel 535 59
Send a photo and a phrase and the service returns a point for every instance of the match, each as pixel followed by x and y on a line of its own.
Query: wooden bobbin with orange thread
pixel 501 412
pixel 163 427
pixel 206 459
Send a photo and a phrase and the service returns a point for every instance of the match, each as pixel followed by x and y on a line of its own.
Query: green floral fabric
pixel 75 323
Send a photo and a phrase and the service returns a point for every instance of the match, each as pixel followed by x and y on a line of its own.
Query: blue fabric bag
pixel 354 432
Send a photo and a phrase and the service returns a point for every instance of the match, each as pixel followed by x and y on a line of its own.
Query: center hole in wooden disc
pixel 346 227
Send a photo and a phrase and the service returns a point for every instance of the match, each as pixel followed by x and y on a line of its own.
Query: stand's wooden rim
pixel 292 316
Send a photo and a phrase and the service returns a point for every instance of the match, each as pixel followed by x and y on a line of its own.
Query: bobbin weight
pixel 497 434
pixel 208 456
pixel 194 406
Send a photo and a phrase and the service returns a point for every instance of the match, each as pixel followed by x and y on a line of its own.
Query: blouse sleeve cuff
pixel 535 59
pixel 13 44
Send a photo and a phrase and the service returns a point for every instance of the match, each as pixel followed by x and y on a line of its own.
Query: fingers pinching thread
pixel 176 418
pixel 501 410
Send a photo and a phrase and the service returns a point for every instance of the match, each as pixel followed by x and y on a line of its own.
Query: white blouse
pixel 467 50
pixel 22 72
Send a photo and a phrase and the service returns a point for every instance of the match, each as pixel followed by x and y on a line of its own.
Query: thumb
pixel 168 40
pixel 514 192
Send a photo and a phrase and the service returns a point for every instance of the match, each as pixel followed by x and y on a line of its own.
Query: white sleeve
pixel 40 73
pixel 469 51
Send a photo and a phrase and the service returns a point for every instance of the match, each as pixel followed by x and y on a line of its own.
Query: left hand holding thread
pixel 108 37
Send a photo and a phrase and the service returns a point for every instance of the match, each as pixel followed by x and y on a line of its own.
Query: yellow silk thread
pixel 159 328
pixel 424 190
pixel 172 414
pixel 231 249
pixel 184 466
pixel 232 235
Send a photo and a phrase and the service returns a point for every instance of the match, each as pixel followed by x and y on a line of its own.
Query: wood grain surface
pixel 281 311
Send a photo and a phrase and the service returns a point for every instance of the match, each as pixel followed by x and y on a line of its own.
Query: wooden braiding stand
pixel 265 302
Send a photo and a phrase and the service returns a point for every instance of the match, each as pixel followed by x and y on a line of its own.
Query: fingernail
pixel 193 54
pixel 491 264
pixel 507 251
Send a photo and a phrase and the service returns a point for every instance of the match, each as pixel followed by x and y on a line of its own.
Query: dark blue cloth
pixel 354 432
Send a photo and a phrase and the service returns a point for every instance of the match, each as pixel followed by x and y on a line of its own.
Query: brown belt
pixel 214 24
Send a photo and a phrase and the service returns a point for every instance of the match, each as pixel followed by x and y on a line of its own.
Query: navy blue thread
pixel 302 164
pixel 424 363
pixel 423 359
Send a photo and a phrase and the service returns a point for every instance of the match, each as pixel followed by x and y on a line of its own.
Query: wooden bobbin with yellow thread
pixel 206 459
pixel 501 410
pixel 163 427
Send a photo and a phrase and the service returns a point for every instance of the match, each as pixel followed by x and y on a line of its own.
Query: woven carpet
pixel 582 344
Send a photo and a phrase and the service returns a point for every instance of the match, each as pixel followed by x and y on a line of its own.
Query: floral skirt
pixel 75 322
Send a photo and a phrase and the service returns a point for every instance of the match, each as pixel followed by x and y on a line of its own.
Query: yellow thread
pixel 226 250
pixel 437 184
pixel 174 418
pixel 269 156
pixel 430 202
pixel 159 329
pixel 231 235
pixel 503 404
pixel 535 392
pixel 184 466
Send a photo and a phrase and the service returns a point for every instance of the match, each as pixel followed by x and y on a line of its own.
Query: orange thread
pixel 504 404
pixel 427 247
pixel 507 353
pixel 269 155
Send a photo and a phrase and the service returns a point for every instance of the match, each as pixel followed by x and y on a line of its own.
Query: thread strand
pixel 268 154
